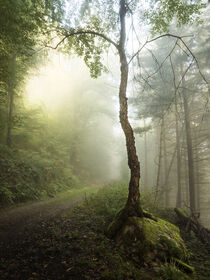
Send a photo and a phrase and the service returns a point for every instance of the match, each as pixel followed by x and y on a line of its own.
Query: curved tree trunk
pixel 133 162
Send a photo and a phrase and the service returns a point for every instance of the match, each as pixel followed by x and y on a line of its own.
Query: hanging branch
pixel 83 32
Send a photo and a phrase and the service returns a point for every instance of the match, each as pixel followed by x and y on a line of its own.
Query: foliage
pixel 141 130
pixel 108 201
pixel 24 24
pixel 162 13
pixel 27 175
pixel 169 271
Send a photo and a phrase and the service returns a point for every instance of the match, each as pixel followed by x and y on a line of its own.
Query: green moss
pixel 116 224
pixel 183 212
pixel 166 236
pixel 149 238
pixel 122 217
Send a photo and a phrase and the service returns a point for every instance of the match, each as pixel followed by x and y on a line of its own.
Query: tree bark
pixel 197 168
pixel 159 162
pixel 133 162
pixel 145 158
pixel 186 177
pixel 11 101
pixel 189 143
pixel 189 154
pixel 178 159
pixel 165 166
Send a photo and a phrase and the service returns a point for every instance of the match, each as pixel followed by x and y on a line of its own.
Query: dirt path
pixel 16 222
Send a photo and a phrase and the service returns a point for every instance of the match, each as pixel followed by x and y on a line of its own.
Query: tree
pixel 23 25
pixel 89 40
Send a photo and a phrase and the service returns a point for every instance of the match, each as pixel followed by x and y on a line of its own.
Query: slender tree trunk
pixel 189 144
pixel 159 161
pixel 169 168
pixel 186 177
pixel 11 101
pixel 178 159
pixel 166 191
pixel 145 158
pixel 197 168
pixel 133 162
pixel 189 153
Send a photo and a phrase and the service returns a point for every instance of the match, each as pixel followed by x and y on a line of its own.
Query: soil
pixel 15 222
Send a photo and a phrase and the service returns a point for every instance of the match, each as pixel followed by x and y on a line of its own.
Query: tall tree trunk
pixel 133 162
pixel 145 158
pixel 159 161
pixel 189 143
pixel 166 191
pixel 197 168
pixel 178 159
pixel 186 177
pixel 11 100
pixel 169 168
pixel 189 153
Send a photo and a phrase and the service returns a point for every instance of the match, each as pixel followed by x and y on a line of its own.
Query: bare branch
pixel 162 63
pixel 156 38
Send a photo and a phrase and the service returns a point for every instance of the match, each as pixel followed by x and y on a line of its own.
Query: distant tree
pixel 23 25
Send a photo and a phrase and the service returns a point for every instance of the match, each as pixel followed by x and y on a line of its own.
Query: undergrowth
pixel 29 175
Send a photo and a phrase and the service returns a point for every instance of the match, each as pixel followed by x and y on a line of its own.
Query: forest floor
pixel 59 239
pixel 17 220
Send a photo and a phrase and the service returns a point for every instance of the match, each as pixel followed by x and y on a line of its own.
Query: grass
pixel 72 194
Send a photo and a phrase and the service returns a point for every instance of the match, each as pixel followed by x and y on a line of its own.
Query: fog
pixel 85 112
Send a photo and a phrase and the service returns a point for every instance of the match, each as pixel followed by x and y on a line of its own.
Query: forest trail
pixel 21 220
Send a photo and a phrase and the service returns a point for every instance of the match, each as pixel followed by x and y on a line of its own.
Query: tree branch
pixel 84 32
pixel 156 38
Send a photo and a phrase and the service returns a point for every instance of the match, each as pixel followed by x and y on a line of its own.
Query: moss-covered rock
pixel 150 240
pixel 159 236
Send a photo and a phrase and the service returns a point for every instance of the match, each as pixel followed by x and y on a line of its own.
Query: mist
pixel 83 112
